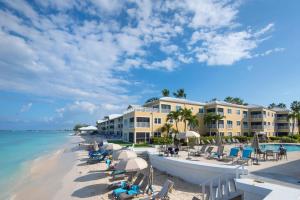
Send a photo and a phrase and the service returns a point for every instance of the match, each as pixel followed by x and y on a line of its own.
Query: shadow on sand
pixel 89 191
pixel 287 172
pixel 90 177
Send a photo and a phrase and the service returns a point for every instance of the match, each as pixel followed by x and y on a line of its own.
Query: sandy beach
pixel 65 175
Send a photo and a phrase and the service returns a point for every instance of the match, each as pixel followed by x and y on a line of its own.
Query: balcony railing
pixel 281 118
pixel 245 127
pixel 256 127
pixel 229 126
pixel 259 116
pixel 165 110
pixel 221 126
pixel 282 127
pixel 142 109
pixel 142 124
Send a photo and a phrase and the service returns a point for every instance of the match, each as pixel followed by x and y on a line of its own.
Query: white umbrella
pixel 124 154
pixel 113 147
pixel 188 134
pixel 132 164
pixel 88 128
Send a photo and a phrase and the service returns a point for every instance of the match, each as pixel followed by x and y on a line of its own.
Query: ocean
pixel 19 148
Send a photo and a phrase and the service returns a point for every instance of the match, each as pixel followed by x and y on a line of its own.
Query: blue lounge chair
pixel 97 159
pixel 233 154
pixel 246 156
pixel 132 191
pixel 124 184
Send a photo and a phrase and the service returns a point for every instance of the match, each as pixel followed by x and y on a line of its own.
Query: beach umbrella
pixel 123 154
pixel 151 175
pixel 112 147
pixel 255 142
pixel 132 164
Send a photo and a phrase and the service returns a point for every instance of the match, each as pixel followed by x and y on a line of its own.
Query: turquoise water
pixel 275 147
pixel 18 148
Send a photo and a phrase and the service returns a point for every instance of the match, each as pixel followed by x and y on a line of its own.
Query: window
pixel 171 121
pixel 157 134
pixel 142 122
pixel 269 123
pixel 142 137
pixel 178 107
pixel 201 110
pixel 238 133
pixel 238 112
pixel 157 120
pixel 238 123
pixel 229 124
pixel 229 111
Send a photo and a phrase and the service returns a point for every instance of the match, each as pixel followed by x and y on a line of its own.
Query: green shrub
pixel 161 140
pixel 286 139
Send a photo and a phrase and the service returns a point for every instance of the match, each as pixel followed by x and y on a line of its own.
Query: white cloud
pixel 87 59
pixel 26 107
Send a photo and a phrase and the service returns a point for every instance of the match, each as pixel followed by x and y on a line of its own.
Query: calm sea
pixel 18 148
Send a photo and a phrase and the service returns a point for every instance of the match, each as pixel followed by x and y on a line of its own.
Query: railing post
pixel 203 191
pixel 211 194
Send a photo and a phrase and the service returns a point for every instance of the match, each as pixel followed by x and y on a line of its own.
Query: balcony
pixel 282 118
pixel 258 116
pixel 221 126
pixel 220 113
pixel 257 127
pixel 165 110
pixel 283 127
pixel 142 124
pixel 229 126
pixel 245 127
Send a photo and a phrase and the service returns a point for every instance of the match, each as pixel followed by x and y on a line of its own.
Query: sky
pixel 68 62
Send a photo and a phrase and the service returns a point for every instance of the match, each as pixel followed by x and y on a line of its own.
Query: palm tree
pixel 292 116
pixel 208 119
pixel 180 93
pixel 165 92
pixel 175 116
pixel 185 115
pixel 281 105
pixel 295 107
pixel 167 127
pixel 272 105
pixel 193 122
pixel 217 118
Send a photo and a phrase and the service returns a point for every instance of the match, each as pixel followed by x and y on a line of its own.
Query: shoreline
pixel 42 177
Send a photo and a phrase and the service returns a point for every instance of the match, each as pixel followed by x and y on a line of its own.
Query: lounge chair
pixel 201 151
pixel 208 141
pixel 163 193
pixel 283 154
pixel 132 191
pixel 237 141
pixel 97 159
pixel 269 153
pixel 202 142
pixel 260 153
pixel 209 151
pixel 233 154
pixel 229 141
pixel 224 141
pixel 124 184
pixel 218 154
pixel 213 141
pixel 246 156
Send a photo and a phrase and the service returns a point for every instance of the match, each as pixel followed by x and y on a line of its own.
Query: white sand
pixel 65 175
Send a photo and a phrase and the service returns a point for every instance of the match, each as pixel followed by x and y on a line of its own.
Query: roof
pixel 114 116
pixel 179 100
pixel 224 103
pixel 277 109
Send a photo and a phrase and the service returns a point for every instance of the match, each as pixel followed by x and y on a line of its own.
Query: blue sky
pixel 64 62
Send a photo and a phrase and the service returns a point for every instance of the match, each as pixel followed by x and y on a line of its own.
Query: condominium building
pixel 111 124
pixel 139 124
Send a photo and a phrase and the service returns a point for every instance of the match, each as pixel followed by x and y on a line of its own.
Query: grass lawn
pixel 122 143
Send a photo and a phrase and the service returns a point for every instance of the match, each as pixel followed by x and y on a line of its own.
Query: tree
pixel 295 115
pixel 167 127
pixel 180 93
pixel 235 100
pixel 175 116
pixel 295 106
pixel 272 105
pixel 78 126
pixel 151 99
pixel 217 118
pixel 165 92
pixel 214 99
pixel 185 115
pixel 208 119
pixel 194 123
pixel 281 105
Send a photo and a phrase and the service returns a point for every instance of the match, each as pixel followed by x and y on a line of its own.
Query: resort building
pixel 111 124
pixel 138 124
